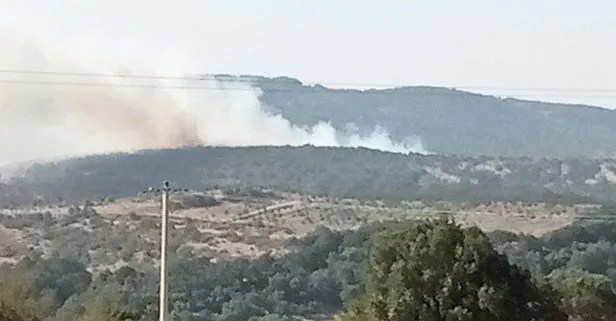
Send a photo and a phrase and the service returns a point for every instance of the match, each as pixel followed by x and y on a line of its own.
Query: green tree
pixel 65 277
pixel 19 298
pixel 437 271
pixel 584 296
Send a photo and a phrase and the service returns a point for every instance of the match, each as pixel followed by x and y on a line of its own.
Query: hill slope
pixel 451 121
pixel 338 172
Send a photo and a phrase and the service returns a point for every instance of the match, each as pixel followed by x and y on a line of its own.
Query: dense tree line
pixel 36 291
pixel 336 172
pixel 415 270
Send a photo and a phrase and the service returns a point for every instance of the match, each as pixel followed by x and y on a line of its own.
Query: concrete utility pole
pixel 164 304
pixel 164 229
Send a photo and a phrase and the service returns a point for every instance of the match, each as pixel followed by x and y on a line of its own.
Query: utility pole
pixel 164 304
pixel 163 307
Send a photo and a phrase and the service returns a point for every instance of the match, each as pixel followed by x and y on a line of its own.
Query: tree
pixel 65 277
pixel 101 309
pixel 435 270
pixel 19 298
pixel 584 296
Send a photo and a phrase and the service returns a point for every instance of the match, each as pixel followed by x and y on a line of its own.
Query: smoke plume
pixel 90 115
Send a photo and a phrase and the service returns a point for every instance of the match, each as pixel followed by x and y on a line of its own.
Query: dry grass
pixel 249 227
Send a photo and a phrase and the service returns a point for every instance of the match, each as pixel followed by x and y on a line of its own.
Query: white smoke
pixel 110 114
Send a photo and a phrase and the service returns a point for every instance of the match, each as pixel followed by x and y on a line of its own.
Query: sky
pixel 490 46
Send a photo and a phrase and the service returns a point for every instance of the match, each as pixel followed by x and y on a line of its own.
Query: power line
pixel 253 79
pixel 307 90
pixel 100 75
pixel 90 84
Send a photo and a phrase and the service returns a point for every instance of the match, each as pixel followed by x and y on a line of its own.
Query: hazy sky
pixel 479 43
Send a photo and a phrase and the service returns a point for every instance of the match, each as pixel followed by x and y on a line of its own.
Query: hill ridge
pixel 329 171
pixel 448 120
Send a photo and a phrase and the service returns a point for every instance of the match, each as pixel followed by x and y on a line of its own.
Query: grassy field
pixel 113 233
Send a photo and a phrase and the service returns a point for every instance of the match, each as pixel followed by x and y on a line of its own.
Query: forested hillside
pixel 336 172
pixel 451 121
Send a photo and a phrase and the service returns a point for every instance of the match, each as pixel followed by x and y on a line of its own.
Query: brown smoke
pixel 109 114
pixel 103 114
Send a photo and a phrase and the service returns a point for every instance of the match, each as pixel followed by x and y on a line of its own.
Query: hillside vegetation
pixel 363 273
pixel 334 172
pixel 519 225
pixel 236 223
pixel 451 121
pixel 247 253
